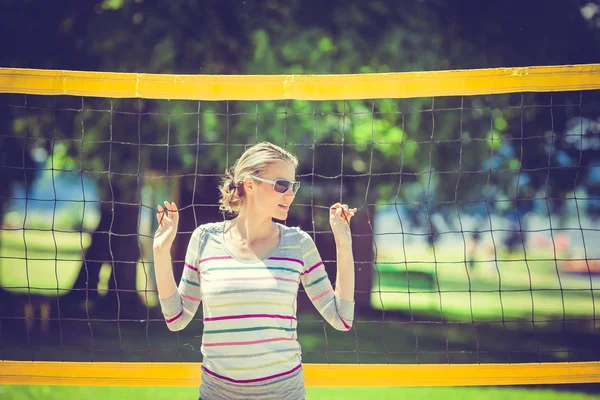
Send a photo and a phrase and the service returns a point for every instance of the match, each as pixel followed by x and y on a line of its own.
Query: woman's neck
pixel 253 228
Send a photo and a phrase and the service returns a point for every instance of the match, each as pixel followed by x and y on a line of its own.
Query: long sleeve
pixel 338 312
pixel 180 308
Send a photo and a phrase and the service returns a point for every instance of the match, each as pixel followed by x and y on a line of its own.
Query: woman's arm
pixel 339 219
pixel 163 270
pixel 168 220
pixel 178 304
pixel 336 307
pixel 344 284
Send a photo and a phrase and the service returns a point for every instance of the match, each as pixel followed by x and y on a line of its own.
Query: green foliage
pixel 112 4
pixel 493 140
pixel 300 37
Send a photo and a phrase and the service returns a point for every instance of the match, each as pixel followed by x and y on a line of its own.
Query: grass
pixel 504 286
pixel 18 392
pixel 48 262
pixel 40 262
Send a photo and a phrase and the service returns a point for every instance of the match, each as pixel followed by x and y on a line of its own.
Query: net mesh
pixel 474 237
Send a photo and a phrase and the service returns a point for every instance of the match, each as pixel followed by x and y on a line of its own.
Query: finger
pixel 337 206
pixel 162 218
pixel 160 215
pixel 346 212
pixel 343 214
pixel 351 211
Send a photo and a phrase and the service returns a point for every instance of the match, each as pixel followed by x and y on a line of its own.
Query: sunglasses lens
pixel 281 186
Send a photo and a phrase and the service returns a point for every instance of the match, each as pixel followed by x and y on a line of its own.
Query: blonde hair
pixel 254 161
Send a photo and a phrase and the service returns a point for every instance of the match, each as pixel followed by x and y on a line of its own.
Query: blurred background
pixel 477 231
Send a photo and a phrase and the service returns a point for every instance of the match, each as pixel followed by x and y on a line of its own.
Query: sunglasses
pixel 280 185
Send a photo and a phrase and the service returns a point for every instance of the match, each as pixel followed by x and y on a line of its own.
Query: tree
pixel 428 143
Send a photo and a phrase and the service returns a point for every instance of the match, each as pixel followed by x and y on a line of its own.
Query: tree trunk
pixel 115 242
pixel 362 247
pixel 122 299
pixel 195 211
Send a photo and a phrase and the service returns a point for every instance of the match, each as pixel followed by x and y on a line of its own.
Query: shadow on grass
pixel 375 338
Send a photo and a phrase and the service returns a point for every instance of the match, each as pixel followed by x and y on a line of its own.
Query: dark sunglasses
pixel 280 185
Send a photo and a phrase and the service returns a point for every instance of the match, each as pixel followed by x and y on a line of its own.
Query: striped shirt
pixel 249 346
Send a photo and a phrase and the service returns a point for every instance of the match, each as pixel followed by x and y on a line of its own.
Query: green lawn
pixel 13 392
pixel 516 287
pixel 43 261
pixel 47 262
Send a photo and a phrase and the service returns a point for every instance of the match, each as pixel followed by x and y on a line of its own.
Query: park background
pixel 471 199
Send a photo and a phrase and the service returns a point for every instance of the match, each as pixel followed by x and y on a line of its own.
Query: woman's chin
pixel 281 212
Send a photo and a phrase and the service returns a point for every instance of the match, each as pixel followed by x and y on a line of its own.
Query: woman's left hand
pixel 339 219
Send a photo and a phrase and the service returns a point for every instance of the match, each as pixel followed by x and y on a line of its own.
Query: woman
pixel 246 273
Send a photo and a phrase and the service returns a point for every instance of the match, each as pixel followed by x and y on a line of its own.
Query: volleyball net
pixel 476 236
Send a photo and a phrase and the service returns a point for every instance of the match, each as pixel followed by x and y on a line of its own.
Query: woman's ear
pixel 248 184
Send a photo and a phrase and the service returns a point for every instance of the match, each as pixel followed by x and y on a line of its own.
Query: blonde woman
pixel 246 273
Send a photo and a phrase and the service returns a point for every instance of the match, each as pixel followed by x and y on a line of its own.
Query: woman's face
pixel 267 200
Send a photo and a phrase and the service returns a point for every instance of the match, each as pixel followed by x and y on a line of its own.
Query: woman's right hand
pixel 167 226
